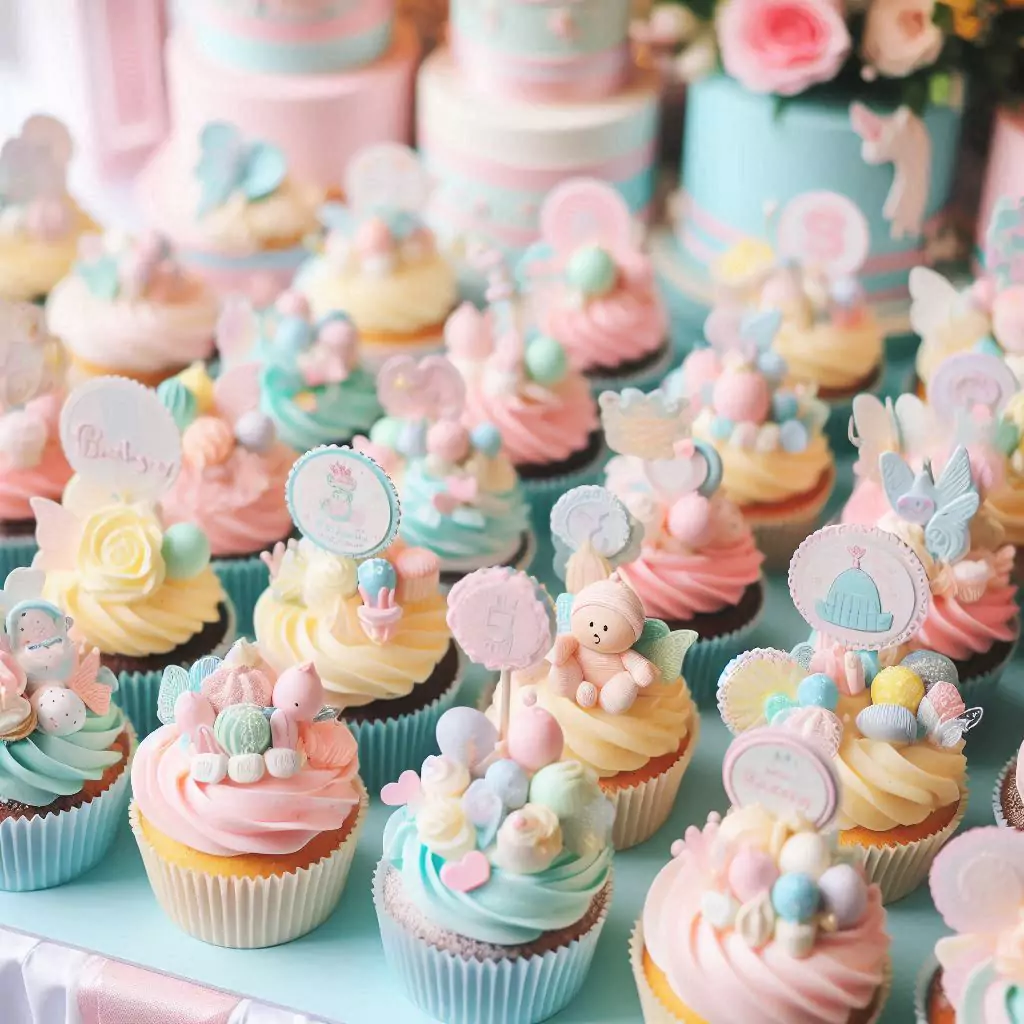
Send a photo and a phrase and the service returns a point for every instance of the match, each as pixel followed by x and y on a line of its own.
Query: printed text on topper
pixel 859 586
pixel 501 618
pixel 388 176
pixel 782 773
pixel 121 439
pixel 824 230
pixel 429 389
pixel 972 381
pixel 582 212
pixel 343 502
pixel 24 373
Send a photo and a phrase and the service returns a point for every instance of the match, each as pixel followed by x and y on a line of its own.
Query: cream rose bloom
pixel 444 829
pixel 529 840
pixel 119 553
pixel 901 36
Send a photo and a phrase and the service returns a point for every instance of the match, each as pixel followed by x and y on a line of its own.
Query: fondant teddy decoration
pixel 611 651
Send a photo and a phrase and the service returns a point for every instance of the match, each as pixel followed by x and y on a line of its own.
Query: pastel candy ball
pixel 805 853
pixel 793 436
pixel 701 367
pixel 373 237
pixel 818 690
pixel 742 397
pixel 448 440
pixel 292 336
pixel 534 738
pixel 179 401
pixel 509 781
pixel 466 735
pixel 795 897
pixel 932 667
pixel 776 704
pixel 844 893
pixel 689 518
pixel 242 729
pixel 486 439
pixel 386 432
pixel 566 787
pixel 898 685
pixel 592 270
pixel 751 873
pixel 255 431
pixel 546 361
pixel 784 406
pixel 185 551
pixel 890 723
pixel 375 574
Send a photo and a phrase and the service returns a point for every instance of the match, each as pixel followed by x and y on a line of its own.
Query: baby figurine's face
pixel 34 626
pixel 602 629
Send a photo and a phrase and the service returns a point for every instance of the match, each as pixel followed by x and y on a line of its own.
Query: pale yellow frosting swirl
pixel 834 358
pixel 354 670
pixel 414 296
pixel 30 266
pixel 1007 505
pixel 279 220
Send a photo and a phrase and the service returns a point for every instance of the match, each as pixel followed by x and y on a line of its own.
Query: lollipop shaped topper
pixel 782 773
pixel 430 388
pixel 1004 242
pixel 824 230
pixel 386 177
pixel 859 586
pixel 974 382
pixel 230 164
pixel 29 366
pixel 343 502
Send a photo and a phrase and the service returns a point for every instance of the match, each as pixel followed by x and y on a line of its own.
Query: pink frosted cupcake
pixel 232 479
pixel 698 566
pixel 595 291
pixel 32 462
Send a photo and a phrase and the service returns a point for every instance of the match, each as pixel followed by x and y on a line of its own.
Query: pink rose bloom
pixel 900 36
pixel 782 46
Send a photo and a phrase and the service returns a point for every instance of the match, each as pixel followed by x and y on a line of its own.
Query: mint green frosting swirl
pixel 41 768
pixel 179 401
pixel 489 535
pixel 509 909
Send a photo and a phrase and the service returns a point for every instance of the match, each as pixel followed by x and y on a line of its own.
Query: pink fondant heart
pixel 467 874
pixel 405 791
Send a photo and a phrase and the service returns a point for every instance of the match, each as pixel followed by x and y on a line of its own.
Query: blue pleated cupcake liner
pixel 137 691
pixel 542 494
pixel 706 660
pixel 457 990
pixel 16 553
pixel 244 580
pixel 389 746
pixel 51 849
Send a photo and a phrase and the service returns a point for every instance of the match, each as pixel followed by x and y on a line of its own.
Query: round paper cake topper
pixel 430 388
pixel 783 773
pixel 584 211
pixel 968 380
pixel 825 230
pixel 388 176
pixel 343 502
pixel 121 439
pixel 860 586
pixel 501 618
pixel 593 514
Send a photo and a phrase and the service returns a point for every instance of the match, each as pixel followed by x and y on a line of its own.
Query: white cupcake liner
pixel 997 792
pixel 642 809
pixel 922 987
pixel 900 868
pixel 654 1011
pixel 777 540
pixel 50 849
pixel 249 913
pixel 457 990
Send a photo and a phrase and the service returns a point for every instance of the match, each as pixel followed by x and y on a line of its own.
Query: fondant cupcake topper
pixel 825 232
pixel 230 165
pixel 33 172
pixel 114 266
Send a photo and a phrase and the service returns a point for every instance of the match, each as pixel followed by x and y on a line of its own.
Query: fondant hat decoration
pixel 615 595
pixel 853 601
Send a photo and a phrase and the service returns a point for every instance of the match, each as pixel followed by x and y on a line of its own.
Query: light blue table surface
pixel 338 973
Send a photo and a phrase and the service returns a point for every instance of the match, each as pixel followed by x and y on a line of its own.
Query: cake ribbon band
pixel 361 17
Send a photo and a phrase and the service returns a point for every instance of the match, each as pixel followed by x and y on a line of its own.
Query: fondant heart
pixel 467 874
pixel 675 477
pixel 405 791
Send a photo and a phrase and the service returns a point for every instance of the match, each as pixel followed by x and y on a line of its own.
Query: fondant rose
pixel 901 36
pixel 782 46
pixel 329 579
pixel 444 829
pixel 119 553
pixel 529 840
pixel 442 777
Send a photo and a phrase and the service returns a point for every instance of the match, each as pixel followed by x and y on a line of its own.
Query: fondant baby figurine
pixel 595 663
pixel 38 634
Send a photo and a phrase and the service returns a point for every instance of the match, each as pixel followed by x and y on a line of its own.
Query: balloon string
pixel 505 682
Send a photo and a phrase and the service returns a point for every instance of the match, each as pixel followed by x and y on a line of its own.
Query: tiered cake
pixel 529 93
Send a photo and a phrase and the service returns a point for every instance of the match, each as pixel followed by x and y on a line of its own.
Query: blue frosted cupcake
pixel 64 746
pixel 492 894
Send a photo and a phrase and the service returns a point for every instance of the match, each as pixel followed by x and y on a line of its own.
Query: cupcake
pixel 698 567
pixel 979 968
pixel 236 216
pixel 40 223
pixel 497 869
pixel 758 916
pixel 893 728
pixel 247 801
pixel 1008 796
pixel 541 406
pixel 380 262
pixel 777 467
pixel 593 290
pixel 460 493
pixel 613 683
pixel 128 308
pixel 313 387
pixel 64 746
pixel 232 478
pixel 32 462
pixel 138 588
pixel 368 612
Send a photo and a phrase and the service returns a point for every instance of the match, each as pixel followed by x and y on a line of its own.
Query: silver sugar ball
pixel 932 667
pixel 255 431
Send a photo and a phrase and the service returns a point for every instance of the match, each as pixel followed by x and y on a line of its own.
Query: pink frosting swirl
pixel 46 480
pixel 866 505
pixel 537 432
pixel 608 330
pixel 960 630
pixel 721 978
pixel 271 817
pixel 239 504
